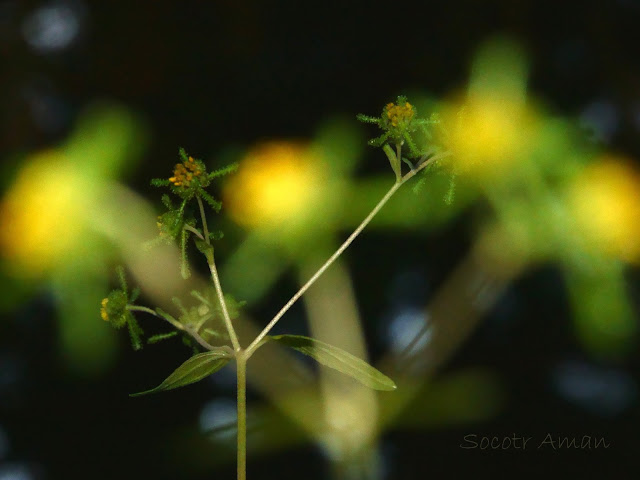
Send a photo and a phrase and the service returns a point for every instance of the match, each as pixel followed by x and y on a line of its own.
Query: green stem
pixel 241 362
pixel 204 220
pixel 216 281
pixel 194 231
pixel 135 308
pixel 225 312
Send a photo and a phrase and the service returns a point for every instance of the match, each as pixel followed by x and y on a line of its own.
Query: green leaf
pixel 338 359
pixel 160 182
pixel 413 149
pixel 449 196
pixel 167 317
pixel 417 188
pixel 178 303
pixel 122 278
pixel 161 336
pixel 379 141
pixel 193 370
pixel 213 333
pixel 183 154
pixel 135 332
pixel 216 205
pixel 135 293
pixel 367 119
pixel 223 171
pixel 166 201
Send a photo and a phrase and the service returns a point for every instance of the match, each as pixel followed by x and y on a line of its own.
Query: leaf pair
pixel 204 364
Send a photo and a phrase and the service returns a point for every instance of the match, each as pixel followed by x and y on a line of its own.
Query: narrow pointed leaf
pixel 215 204
pixel 135 332
pixel 367 119
pixel 160 182
pixel 122 278
pixel 135 293
pixel 161 336
pixel 193 370
pixel 223 171
pixel 449 196
pixel 338 359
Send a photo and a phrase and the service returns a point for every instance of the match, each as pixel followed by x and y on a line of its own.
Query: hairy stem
pixel 399 156
pixel 204 220
pixel 421 164
pixel 216 281
pixel 225 312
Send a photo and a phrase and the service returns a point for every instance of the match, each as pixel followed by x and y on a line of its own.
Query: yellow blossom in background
pixel 41 214
pixel 491 128
pixel 278 184
pixel 605 203
pixel 488 134
pixel 56 217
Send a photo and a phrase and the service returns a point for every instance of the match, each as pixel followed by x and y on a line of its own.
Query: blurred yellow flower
pixel 487 134
pixel 277 184
pixel 41 215
pixel 490 131
pixel 605 202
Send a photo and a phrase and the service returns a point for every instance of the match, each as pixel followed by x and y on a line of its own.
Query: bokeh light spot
pixel 277 184
pixel 40 215
pixel 605 202
pixel 51 28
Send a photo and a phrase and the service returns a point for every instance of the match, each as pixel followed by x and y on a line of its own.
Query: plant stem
pixel 421 164
pixel 241 362
pixel 135 308
pixel 241 358
pixel 204 220
pixel 194 231
pixel 225 312
pixel 216 281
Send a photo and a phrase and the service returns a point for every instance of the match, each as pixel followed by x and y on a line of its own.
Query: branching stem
pixel 178 326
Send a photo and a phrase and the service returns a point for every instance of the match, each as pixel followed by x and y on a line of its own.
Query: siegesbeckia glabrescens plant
pixel 210 321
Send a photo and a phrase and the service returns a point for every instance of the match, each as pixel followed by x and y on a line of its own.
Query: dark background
pixel 218 73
